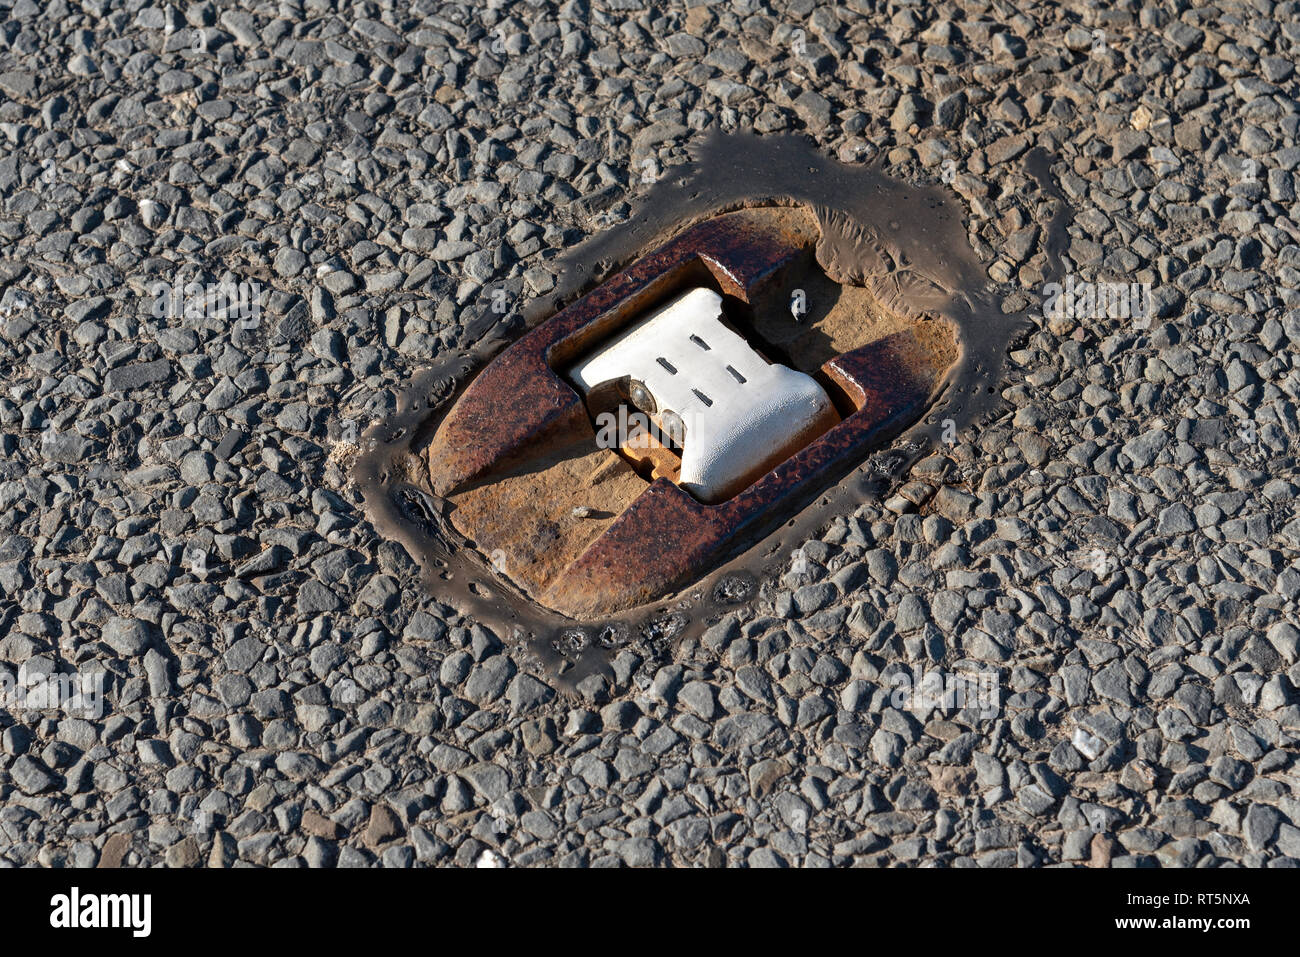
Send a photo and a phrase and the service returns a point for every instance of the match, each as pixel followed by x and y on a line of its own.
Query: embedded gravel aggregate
pixel 175 516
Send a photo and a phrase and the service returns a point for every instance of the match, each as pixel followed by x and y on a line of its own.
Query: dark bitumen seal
pixel 906 242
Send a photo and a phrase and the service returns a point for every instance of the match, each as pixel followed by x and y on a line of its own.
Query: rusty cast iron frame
pixel 519 405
